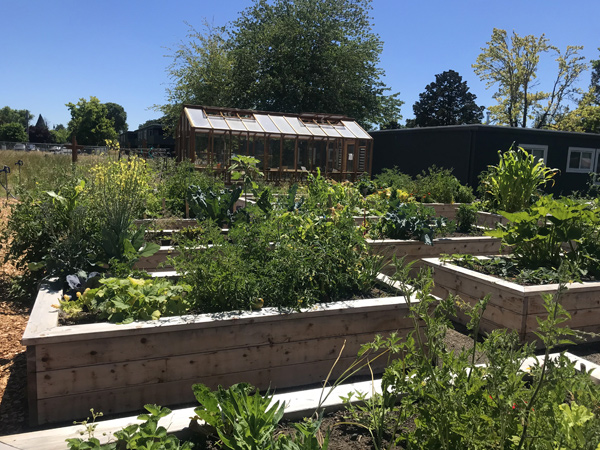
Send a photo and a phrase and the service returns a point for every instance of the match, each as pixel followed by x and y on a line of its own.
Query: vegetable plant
pixel 513 184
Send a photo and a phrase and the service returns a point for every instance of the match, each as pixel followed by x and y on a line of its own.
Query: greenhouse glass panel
pixel 267 124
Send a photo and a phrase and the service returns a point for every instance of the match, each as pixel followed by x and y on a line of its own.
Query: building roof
pixel 307 125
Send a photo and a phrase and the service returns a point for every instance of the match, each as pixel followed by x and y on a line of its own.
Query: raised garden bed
pixel 416 250
pixel 513 306
pixel 117 368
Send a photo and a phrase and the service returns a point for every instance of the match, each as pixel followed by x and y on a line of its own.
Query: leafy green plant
pixel 551 231
pixel 439 185
pixel 513 184
pixel 244 168
pixel 293 261
pixel 215 206
pixel 125 300
pixel 242 421
pixel 145 436
pixel 466 217
pixel 411 221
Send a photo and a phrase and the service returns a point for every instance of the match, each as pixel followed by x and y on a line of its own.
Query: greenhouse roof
pixel 320 126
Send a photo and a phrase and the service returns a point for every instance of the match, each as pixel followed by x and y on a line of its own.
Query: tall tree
pixel 595 81
pixel 200 73
pixel 310 56
pixel 446 101
pixel 9 115
pixel 12 132
pixel 90 122
pixel 60 134
pixel 40 132
pixel 585 118
pixel 118 115
pixel 512 66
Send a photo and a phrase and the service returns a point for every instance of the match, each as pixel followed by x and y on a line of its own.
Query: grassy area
pixel 39 167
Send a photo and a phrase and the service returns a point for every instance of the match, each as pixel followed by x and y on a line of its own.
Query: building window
pixel 539 151
pixel 582 160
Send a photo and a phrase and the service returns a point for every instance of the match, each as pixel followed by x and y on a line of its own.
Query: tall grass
pixel 42 168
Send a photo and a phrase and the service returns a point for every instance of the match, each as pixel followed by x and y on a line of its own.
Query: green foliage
pixel 145 436
pixel 116 113
pixel 174 182
pixel 201 73
pixel 90 122
pixel 293 261
pixel 215 206
pixel 242 421
pixel 513 66
pixel 514 183
pixel 447 101
pixel 310 56
pixel 411 221
pixel 118 194
pixel 123 300
pixel 455 403
pixel 552 232
pixel 48 233
pixel 439 185
pixel 434 185
pixel 20 116
pixel 466 217
pixel 324 194
pixel 13 132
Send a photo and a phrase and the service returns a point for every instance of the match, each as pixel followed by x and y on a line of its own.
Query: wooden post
pixel 74 147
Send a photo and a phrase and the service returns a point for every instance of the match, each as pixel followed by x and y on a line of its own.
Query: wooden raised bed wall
pixel 416 250
pixel 513 306
pixel 119 368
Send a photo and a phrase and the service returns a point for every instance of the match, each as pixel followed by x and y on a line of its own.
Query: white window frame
pixel 595 155
pixel 529 147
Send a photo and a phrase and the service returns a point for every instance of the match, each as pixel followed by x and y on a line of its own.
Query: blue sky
pixel 55 52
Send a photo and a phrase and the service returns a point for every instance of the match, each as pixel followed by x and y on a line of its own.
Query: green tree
pixel 512 66
pixel 90 122
pixel 595 82
pixel 200 73
pixel 9 115
pixel 12 132
pixel 60 134
pixel 310 56
pixel 118 115
pixel 585 118
pixel 446 101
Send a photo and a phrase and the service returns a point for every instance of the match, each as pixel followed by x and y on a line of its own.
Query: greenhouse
pixel 288 146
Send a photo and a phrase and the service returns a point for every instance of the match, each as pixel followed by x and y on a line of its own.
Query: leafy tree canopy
pixel 9 115
pixel 595 82
pixel 12 132
pixel 90 122
pixel 200 73
pixel 118 115
pixel 511 65
pixel 446 101
pixel 301 56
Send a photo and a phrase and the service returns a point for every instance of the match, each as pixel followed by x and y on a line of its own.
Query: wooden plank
pixel 470 287
pixel 43 316
pixel 180 323
pixel 67 408
pixel 32 393
pixel 101 351
pixel 209 363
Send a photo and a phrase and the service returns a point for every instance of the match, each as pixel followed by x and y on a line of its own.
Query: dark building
pixel 153 136
pixel 469 149
pixel 149 136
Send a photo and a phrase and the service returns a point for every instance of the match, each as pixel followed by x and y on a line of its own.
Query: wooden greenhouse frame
pixel 288 146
